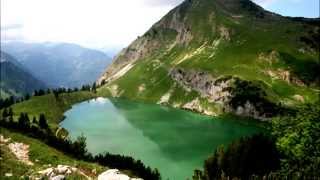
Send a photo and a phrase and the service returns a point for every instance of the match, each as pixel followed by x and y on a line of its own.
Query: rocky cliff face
pixel 214 89
pixel 214 57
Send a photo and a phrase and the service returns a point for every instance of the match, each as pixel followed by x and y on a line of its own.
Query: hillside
pixel 51 107
pixel 59 64
pixel 15 79
pixel 221 56
pixel 40 158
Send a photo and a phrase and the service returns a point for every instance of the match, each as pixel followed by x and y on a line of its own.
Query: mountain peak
pixel 202 47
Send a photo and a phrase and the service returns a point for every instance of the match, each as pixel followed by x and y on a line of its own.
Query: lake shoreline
pixel 133 125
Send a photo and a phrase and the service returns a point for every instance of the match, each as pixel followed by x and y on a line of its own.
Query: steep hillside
pixel 59 64
pixel 215 56
pixel 15 79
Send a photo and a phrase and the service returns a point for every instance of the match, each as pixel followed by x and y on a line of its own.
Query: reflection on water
pixel 174 141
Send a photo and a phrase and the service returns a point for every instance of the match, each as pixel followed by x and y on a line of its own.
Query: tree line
pixel 7 102
pixel 38 128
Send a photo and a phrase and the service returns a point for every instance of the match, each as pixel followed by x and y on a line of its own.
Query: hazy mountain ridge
pixel 59 64
pixel 234 47
pixel 15 79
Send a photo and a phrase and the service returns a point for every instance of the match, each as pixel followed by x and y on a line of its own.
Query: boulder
pixel 62 169
pixel 58 177
pixel 113 174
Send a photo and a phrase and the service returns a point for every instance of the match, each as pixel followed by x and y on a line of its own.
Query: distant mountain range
pixel 15 79
pixel 59 64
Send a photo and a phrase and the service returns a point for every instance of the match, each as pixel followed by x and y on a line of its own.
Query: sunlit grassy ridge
pixel 53 108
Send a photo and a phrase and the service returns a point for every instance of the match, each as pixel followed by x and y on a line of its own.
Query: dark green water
pixel 174 141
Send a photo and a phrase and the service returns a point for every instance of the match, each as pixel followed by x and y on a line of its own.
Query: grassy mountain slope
pixel 15 79
pixel 220 56
pixel 51 107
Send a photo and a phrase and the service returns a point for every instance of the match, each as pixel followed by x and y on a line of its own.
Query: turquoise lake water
pixel 174 141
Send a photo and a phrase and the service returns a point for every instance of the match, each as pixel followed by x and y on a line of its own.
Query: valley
pixel 59 64
pixel 214 90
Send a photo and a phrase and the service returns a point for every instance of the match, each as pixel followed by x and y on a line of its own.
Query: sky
pixel 104 24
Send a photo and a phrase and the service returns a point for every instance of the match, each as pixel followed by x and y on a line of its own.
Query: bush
pixel 256 155
pixel 298 138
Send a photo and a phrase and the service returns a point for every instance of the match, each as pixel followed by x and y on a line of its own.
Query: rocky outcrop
pixel 126 59
pixel 271 57
pixel 196 106
pixel 20 150
pixel 232 94
pixel 225 33
pixel 216 90
pixel 115 174
pixel 298 98
pixel 249 110
pixel 60 172
pixel 165 98
pixel 177 21
pixel 284 75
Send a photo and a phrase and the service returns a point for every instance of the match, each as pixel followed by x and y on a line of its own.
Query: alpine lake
pixel 174 141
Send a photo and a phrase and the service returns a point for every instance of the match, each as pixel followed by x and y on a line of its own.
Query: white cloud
pixel 111 24
pixel 95 23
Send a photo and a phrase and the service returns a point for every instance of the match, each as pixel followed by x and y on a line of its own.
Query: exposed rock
pixel 271 58
pixel 178 23
pixel 115 174
pixel 114 90
pixel 249 110
pixel 141 88
pixel 284 75
pixel 60 172
pixel 213 89
pixel 21 151
pixel 192 54
pixel 3 140
pixel 62 169
pixel 8 174
pixel 176 105
pixel 220 91
pixel 47 172
pixel 58 177
pixel 165 98
pixel 94 171
pixel 299 98
pixel 194 105
pixel 224 33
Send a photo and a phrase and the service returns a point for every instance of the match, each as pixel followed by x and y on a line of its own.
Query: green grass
pixel 50 106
